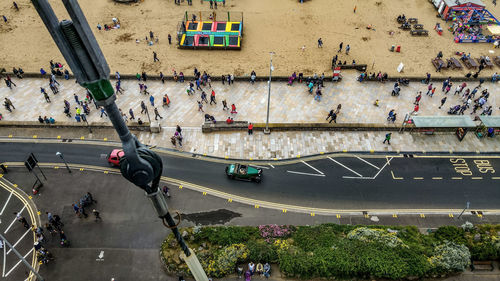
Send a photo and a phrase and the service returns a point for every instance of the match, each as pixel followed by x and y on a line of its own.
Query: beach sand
pixel 281 26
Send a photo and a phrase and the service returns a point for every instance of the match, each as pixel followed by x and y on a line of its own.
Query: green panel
pixel 211 41
pixel 227 40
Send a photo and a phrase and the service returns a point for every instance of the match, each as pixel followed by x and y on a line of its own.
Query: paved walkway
pixel 288 104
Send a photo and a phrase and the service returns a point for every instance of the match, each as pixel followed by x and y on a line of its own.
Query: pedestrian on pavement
pixel 320 43
pixel 432 92
pixel 232 78
pixel 103 112
pixel 4 18
pixel 96 215
pixel 178 130
pixel 15 6
pixel 143 107
pixel 155 57
pixel 212 98
pixel 223 79
pixel 233 109
pixel 250 129
pixel 9 102
pixel 428 78
pixel 157 114
pixel 169 39
pixel 8 83
pixel 415 109
pixel 144 76
pixel 152 100
pixel 387 138
pixel 166 100
pixel 10 80
pixel 224 105
pixel 119 87
pixel 46 96
pixel 340 47
pixel 151 35
pixel 429 89
pixel 131 113
pixel 333 117
pixel 445 84
pixel 443 100
pixel 228 79
pixel 204 97
pixel 347 49
pixel 418 98
pixel 74 95
pixel 162 77
pixel 448 88
pixel 200 106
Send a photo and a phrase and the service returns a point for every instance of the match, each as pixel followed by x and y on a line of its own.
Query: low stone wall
pixel 82 125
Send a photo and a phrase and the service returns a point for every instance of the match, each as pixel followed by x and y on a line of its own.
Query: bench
pixel 497 60
pixel 470 63
pixel 413 20
pixel 487 62
pixel 405 26
pixel 455 64
pixel 418 26
pixel 437 61
pixel 482 265
pixel 419 32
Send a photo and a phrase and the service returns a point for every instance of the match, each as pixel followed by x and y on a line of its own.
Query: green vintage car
pixel 243 172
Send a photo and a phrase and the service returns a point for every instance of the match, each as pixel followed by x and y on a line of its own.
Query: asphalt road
pixel 336 182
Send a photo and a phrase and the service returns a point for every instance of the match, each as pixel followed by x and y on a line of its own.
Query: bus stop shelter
pixel 428 124
pixel 490 125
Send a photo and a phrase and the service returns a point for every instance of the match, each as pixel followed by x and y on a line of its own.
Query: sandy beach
pixel 281 26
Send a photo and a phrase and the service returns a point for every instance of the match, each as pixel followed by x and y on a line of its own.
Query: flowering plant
pixel 272 231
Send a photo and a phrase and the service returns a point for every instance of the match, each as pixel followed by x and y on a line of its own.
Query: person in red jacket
pixel 250 129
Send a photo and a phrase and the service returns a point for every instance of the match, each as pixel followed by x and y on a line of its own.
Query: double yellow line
pixel 35 218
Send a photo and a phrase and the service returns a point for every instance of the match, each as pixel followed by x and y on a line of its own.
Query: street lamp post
pixel 140 165
pixel 467 206
pixel 64 160
pixel 271 68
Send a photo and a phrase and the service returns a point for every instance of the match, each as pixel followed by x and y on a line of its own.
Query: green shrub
pixel 450 233
pixel 262 252
pixel 226 235
pixel 483 251
pixel 225 260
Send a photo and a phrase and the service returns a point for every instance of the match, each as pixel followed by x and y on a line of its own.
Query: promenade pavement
pixel 288 104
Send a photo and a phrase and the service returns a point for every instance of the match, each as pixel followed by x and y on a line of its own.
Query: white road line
pixel 6 202
pixel 19 240
pixel 345 167
pixel 307 174
pixel 368 163
pixel 18 263
pixel 359 178
pixel 3 271
pixel 387 163
pixel 259 167
pixel 10 225
pixel 29 276
pixel 313 168
pixel 271 166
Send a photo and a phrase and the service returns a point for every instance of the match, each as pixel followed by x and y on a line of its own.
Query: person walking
pixel 432 92
pixel 131 113
pixel 429 89
pixel 445 84
pixel 119 87
pixel 157 114
pixel 415 109
pixel 155 57
pixel 320 43
pixel 347 49
pixel 166 100
pixel 204 97
pixel 178 130
pixel 443 100
pixel 233 109
pixel 46 96
pixel 152 100
pixel 340 47
pixel 74 95
pixel 200 106
pixel 212 97
pixel 103 112
pixel 418 98
pixel 96 215
pixel 250 129
pixel 169 39
pixel 143 107
pixel 22 220
pixel 387 138
pixel 9 102
pixel 224 105
pixel 10 80
pixel 232 78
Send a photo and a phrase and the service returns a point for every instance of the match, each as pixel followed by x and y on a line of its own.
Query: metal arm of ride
pixel 140 165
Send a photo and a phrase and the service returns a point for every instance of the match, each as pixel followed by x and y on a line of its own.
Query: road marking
pixel 394 215
pixel 418 178
pixel 381 169
pixel 313 214
pixel 437 178
pixel 456 178
pixel 476 178
pixel 259 167
pixel 422 215
pixel 359 178
pixel 100 257
pixel 313 168
pixel 229 200
pixel 368 163
pixel 338 216
pixel 18 263
pixel 335 161
pixel 495 178
pixel 284 210
pixel 19 240
pixel 6 202
pixel 394 177
pixel 10 225
pixel 4 260
pixel 450 215
pixel 307 174
pixel 270 165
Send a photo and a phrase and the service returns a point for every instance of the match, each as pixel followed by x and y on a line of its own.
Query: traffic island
pixel 343 251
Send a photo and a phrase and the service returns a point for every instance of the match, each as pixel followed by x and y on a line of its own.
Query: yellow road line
pixel 476 178
pixel 437 178
pixel 418 178
pixel 456 178
pixel 394 177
